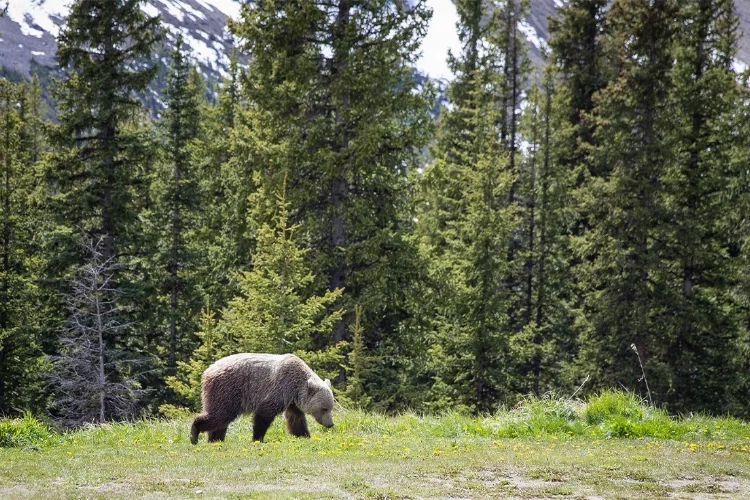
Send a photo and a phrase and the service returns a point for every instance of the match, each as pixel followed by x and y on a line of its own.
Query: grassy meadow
pixel 609 446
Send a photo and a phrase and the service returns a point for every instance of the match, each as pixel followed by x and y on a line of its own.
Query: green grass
pixel 611 446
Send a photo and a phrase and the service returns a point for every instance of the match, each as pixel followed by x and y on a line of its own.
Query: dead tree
pixel 91 380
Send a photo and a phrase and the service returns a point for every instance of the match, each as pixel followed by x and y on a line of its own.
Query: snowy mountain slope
pixel 30 26
pixel 441 35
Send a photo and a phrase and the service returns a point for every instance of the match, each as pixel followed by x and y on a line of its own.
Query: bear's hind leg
pixel 296 423
pixel 217 435
pixel 264 415
pixel 199 425
pixel 211 424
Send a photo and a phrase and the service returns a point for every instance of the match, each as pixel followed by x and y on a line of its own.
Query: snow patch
pixel 39 13
pixel 194 13
pixel 200 51
pixel 531 35
pixel 149 10
pixel 173 9
pixel 560 3
pixel 37 53
pixel 229 8
pixel 738 66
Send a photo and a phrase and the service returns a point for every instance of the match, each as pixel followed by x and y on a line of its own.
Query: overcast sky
pixel 441 36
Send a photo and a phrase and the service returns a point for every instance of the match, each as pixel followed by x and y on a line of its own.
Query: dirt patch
pixel 18 491
pixel 710 487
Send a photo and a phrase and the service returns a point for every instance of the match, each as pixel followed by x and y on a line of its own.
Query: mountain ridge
pixel 29 29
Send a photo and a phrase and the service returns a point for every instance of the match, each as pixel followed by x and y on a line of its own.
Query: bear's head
pixel 319 401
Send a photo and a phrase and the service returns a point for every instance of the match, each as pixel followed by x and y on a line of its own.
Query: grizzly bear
pixel 266 385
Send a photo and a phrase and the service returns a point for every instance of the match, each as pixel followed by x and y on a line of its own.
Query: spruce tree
pixel 467 223
pixel 620 278
pixel 102 150
pixel 697 308
pixel 222 229
pixel 580 58
pixel 544 347
pixel 34 110
pixel 273 311
pixel 103 46
pixel 176 201
pixel 332 101
pixel 21 358
pixel 91 381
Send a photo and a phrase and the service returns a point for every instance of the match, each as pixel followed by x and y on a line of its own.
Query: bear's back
pixel 255 376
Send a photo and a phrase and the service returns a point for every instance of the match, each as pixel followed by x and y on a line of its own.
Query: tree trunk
pixel 173 267
pixel 4 312
pixel 541 276
pixel 100 330
pixel 340 182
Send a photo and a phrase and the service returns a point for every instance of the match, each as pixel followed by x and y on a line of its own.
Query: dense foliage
pixel 580 224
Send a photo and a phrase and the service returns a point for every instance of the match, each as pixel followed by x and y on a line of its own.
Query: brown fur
pixel 263 384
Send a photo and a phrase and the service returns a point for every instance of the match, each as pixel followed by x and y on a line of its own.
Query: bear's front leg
pixel 296 422
pixel 264 415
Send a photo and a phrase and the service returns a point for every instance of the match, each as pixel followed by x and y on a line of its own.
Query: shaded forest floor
pixel 538 450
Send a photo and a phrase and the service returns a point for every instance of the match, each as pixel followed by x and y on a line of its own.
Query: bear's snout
pixel 325 420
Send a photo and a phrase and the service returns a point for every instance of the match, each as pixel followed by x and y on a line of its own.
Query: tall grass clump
pixel 606 414
pixel 25 431
pixel 539 416
pixel 623 414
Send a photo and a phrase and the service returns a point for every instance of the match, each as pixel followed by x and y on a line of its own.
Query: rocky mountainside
pixel 29 28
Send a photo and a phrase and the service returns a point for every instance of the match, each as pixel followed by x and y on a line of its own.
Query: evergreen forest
pixel 563 230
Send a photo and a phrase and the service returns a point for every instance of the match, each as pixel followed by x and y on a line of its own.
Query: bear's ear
pixel 312 387
pixel 327 383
